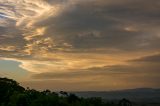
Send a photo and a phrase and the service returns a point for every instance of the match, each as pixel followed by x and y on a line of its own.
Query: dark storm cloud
pixel 129 25
pixel 85 25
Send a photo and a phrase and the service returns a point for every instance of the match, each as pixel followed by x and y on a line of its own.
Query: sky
pixel 81 45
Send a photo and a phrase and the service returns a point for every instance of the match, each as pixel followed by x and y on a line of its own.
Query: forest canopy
pixel 12 94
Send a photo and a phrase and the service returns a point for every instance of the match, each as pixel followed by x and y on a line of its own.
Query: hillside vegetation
pixel 12 94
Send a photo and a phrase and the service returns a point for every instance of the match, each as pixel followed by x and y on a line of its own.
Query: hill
pixel 137 95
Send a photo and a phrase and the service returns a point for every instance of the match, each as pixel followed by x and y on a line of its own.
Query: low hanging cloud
pixel 134 74
pixel 151 59
pixel 133 67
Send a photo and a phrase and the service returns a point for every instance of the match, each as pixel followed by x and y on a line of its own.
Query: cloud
pixel 151 59
pixel 82 25
pixel 8 48
pixel 121 70
pixel 124 26
pixel 69 38
pixel 131 75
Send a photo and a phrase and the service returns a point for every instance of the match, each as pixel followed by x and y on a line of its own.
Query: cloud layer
pixel 67 39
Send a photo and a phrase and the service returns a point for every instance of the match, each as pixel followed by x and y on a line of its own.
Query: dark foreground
pixel 12 94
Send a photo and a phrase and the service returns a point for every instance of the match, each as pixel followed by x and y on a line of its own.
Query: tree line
pixel 12 94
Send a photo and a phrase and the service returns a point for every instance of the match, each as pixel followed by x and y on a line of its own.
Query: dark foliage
pixel 12 94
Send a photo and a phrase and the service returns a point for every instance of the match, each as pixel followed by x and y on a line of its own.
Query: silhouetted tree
pixel 63 93
pixel 125 102
pixel 7 88
pixel 72 98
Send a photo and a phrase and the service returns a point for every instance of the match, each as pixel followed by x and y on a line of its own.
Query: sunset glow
pixel 81 44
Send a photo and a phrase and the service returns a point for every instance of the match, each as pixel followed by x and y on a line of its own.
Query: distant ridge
pixel 137 95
